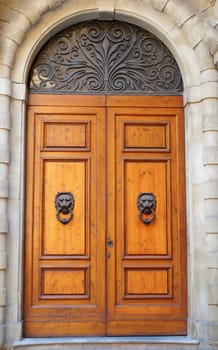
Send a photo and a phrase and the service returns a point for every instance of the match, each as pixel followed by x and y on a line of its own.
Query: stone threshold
pixel 145 343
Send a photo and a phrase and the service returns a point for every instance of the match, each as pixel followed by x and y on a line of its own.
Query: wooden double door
pixel 105 246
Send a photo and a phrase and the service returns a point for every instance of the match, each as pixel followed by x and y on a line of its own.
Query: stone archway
pixel 139 286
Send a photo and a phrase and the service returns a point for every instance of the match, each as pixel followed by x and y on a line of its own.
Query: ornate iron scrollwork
pixel 105 57
pixel 64 204
pixel 146 204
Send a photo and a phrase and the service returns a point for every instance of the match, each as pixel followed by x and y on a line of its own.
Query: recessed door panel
pixel 141 176
pixel 66 176
pixel 145 136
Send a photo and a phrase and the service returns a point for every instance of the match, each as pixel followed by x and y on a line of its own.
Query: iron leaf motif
pixel 105 57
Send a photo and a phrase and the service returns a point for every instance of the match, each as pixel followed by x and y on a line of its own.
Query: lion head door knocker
pixel 146 204
pixel 64 204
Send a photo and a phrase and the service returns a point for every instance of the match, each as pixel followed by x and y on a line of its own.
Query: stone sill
pixel 177 340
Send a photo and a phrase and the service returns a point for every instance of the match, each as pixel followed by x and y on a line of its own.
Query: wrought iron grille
pixel 105 58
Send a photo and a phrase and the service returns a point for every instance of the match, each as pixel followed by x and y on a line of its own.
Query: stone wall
pixel 190 30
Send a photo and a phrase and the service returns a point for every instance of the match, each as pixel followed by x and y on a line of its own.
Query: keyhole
pixel 110 243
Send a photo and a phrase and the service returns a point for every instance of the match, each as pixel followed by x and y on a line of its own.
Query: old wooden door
pixel 105 247
pixel 147 264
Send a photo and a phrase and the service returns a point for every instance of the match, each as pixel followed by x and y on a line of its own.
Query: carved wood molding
pixel 105 58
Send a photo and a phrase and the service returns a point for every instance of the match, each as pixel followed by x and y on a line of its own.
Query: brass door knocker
pixel 146 204
pixel 64 204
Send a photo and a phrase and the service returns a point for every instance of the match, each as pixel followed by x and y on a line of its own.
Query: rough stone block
pixel 2 333
pixel 210 121
pixel 4 120
pixel 4 154
pixel 208 74
pixel 209 90
pixel 15 185
pixel 2 296
pixel 5 86
pixel 5 13
pixel 19 91
pixel 212 249
pixel 213 331
pixel 179 17
pixel 210 155
pixel 3 188
pixel 17 23
pixel 213 313
pixel 53 4
pixel 211 223
pixel 14 219
pixel 141 10
pixel 215 58
pixel 211 174
pixel 211 207
pixel 3 260
pixel 212 276
pixel 32 10
pixel 210 106
pixel 2 278
pixel 194 30
pixel 7 51
pixel 205 60
pixel 213 295
pixel 211 138
pixel 159 4
pixel 191 94
pixel 5 71
pixel 2 241
pixel 2 315
pixel 3 172
pixel 4 137
pixel 4 103
pixel 3 224
pixel 17 28
pixel 106 10
pixel 14 331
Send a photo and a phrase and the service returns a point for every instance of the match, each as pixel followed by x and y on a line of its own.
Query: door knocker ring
pixel 64 204
pixel 146 204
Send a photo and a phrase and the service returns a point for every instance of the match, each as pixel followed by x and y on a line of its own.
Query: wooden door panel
pixel 63 293
pixel 141 282
pixel 145 136
pixel 63 176
pixel 145 176
pixel 150 326
pixel 66 135
pixel 63 282
pixel 145 261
